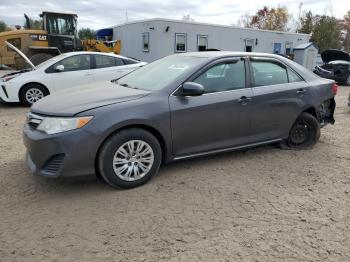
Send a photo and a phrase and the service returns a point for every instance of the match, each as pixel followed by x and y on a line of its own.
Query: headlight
pixel 54 125
pixel 8 78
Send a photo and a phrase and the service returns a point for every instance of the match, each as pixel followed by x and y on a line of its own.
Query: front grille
pixel 53 164
pixel 34 120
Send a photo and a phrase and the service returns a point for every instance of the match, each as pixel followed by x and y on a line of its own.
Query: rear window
pixel 129 61
pixel 269 73
pixel 102 61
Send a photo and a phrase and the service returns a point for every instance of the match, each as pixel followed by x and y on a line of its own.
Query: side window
pixel 74 63
pixel 223 77
pixel 268 73
pixel 180 43
pixel 293 77
pixel 102 61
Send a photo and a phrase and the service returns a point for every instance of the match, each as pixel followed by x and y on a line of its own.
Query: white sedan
pixel 63 72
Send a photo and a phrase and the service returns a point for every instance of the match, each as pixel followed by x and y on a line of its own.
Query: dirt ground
pixel 263 204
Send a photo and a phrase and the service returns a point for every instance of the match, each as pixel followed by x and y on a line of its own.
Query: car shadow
pixel 11 105
pixel 24 179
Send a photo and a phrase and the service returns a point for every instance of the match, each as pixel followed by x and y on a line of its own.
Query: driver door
pixel 77 71
pixel 218 119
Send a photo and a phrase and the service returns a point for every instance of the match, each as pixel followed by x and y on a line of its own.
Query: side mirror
pixel 59 68
pixel 192 89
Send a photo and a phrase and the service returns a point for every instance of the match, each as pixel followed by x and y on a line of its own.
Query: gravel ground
pixel 262 204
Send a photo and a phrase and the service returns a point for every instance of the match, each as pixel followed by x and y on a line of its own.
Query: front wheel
pixel 129 158
pixel 305 132
pixel 32 93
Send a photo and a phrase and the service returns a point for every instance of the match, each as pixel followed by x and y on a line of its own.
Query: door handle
pixel 87 74
pixel 301 91
pixel 244 100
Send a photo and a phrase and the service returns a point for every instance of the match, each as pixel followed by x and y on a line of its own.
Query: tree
pixel 325 30
pixel 268 19
pixel 34 24
pixel 326 33
pixel 306 23
pixel 86 33
pixel 3 26
pixel 344 25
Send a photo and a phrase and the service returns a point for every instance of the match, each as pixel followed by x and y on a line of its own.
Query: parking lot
pixel 262 204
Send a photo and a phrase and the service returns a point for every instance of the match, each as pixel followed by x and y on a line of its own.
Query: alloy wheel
pixel 33 95
pixel 133 160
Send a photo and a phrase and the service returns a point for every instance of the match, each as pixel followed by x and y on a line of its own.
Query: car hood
pixel 334 54
pixel 77 100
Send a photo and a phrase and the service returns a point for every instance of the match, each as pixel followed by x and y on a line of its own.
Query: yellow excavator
pixel 59 35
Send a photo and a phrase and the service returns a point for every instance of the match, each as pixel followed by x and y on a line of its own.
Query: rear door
pixel 218 119
pixel 109 68
pixel 77 72
pixel 279 93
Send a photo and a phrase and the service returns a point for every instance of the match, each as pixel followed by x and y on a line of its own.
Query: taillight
pixel 335 89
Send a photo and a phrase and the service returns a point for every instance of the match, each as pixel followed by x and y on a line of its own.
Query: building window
pixel 145 42
pixel 202 41
pixel 16 42
pixel 180 43
pixel 249 43
pixel 289 48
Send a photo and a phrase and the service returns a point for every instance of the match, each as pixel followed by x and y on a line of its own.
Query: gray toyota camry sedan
pixel 178 107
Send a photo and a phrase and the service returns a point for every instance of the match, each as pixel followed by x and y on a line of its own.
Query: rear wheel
pixel 305 132
pixel 32 93
pixel 39 58
pixel 129 158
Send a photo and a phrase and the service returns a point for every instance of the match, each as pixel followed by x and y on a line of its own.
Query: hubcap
pixel 133 160
pixel 33 95
pixel 299 133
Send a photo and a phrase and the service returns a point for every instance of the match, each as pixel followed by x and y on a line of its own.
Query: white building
pixel 152 39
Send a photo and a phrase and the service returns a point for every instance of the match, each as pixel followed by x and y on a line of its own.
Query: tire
pixel 40 57
pixel 304 133
pixel 348 81
pixel 31 93
pixel 118 167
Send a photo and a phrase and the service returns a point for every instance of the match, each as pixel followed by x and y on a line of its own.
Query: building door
pixel 311 56
pixel 277 48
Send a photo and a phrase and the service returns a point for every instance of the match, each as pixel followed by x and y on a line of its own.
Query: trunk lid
pixel 334 54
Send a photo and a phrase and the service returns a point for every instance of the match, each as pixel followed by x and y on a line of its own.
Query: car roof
pixel 93 53
pixel 218 54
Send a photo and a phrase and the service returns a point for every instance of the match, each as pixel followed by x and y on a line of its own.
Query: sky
pixel 100 14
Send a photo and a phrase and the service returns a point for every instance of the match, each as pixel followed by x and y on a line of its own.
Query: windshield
pixel 61 24
pixel 160 73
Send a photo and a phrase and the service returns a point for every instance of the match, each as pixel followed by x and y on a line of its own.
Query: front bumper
pixel 65 155
pixel 8 92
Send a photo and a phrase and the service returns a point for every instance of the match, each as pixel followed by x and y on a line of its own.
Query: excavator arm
pixel 99 46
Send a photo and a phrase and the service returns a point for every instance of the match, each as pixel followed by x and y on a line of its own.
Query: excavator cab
pixel 61 31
